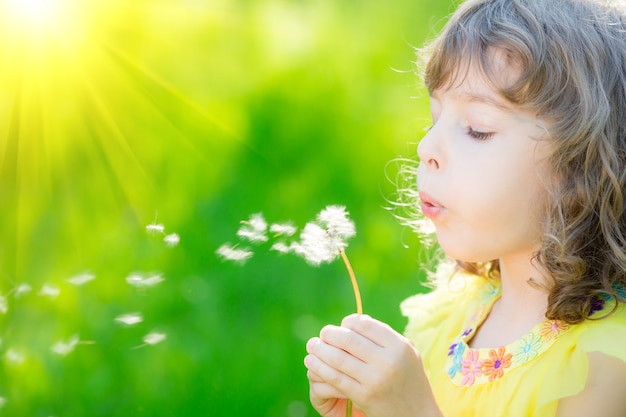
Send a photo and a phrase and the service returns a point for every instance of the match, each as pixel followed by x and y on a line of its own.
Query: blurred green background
pixel 196 114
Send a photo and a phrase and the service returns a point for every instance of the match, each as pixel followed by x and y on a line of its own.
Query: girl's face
pixel 480 173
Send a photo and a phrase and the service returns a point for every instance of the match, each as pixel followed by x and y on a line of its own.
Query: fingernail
pixel 310 343
pixel 308 361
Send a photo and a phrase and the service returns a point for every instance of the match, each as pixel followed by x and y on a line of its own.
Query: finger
pixel 313 377
pixel 344 351
pixel 329 374
pixel 321 388
pixel 374 330
pixel 348 340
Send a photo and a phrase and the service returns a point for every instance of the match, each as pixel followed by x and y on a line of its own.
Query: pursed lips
pixel 430 207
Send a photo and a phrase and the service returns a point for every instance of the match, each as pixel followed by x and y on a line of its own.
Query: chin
pixel 465 255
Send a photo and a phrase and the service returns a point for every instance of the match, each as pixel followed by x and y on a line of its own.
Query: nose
pixel 429 151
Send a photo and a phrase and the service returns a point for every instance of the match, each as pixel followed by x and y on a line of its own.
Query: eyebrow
pixel 480 98
pixel 486 99
pixel 475 97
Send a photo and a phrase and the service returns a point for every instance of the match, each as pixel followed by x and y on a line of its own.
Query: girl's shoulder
pixel 594 350
pixel 450 289
pixel 603 332
pixel 441 312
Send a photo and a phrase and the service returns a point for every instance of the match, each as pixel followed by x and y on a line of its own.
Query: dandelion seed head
pixel 155 228
pixel 153 338
pixel 171 240
pixel 139 281
pixel 48 290
pixel 64 348
pixel 335 220
pixel 129 319
pixel 283 229
pixel 81 279
pixel 3 402
pixel 230 253
pixel 253 229
pixel 317 245
pixel 320 241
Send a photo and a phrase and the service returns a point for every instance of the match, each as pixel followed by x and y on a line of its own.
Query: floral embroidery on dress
pixel 498 361
pixel 551 329
pixel 489 294
pixel 456 351
pixel 471 367
pixel 467 366
pixel 529 347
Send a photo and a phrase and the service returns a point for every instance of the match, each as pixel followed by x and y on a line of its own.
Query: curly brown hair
pixel 572 60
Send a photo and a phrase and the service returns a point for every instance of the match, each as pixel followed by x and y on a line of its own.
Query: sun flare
pixel 36 15
pixel 87 88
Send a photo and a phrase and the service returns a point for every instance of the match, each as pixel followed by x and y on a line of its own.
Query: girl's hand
pixel 373 365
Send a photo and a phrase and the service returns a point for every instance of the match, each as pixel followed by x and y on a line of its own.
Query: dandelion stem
pixel 355 285
pixel 349 408
pixel 359 307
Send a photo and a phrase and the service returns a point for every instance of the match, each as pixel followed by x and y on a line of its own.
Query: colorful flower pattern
pixel 468 366
pixel 528 347
pixel 552 329
pixel 498 361
pixel 456 351
pixel 471 367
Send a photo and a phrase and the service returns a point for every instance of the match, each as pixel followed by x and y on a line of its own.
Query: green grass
pixel 202 113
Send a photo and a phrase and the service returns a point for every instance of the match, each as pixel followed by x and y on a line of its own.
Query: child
pixel 523 175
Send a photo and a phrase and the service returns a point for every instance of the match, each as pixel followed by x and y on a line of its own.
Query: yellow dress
pixel 525 378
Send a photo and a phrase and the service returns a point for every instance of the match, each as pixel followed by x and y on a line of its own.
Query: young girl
pixel 523 175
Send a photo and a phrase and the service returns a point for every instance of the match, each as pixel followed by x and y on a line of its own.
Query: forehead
pixel 495 70
pixel 472 82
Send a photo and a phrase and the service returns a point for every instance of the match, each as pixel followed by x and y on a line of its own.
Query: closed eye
pixel 479 135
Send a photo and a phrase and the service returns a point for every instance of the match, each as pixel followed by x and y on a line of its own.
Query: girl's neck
pixel 521 306
pixel 522 291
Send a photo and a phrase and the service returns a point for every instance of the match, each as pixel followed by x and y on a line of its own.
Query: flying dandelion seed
pixel 171 240
pixel 129 319
pixel 81 279
pixel 64 348
pixel 230 253
pixel 139 281
pixel 14 357
pixel 283 229
pixel 155 229
pixel 22 290
pixel 152 339
pixel 48 290
pixel 281 247
pixel 254 229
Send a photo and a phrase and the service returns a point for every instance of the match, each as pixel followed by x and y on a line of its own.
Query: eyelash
pixel 479 135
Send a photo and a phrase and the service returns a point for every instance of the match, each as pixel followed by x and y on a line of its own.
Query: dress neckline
pixel 468 366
